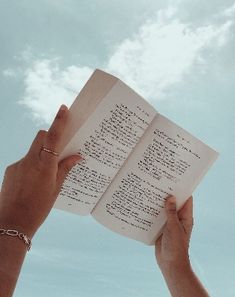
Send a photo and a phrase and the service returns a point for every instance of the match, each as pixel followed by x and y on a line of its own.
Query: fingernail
pixel 79 160
pixel 171 203
pixel 63 107
pixel 61 111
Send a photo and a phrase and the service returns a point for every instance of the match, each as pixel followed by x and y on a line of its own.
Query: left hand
pixel 31 185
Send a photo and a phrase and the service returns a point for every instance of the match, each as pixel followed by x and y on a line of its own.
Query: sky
pixel 179 55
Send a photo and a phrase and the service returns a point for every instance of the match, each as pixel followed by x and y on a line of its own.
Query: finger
pixel 186 215
pixel 186 212
pixel 54 135
pixel 158 242
pixel 171 211
pixel 37 143
pixel 158 246
pixel 65 166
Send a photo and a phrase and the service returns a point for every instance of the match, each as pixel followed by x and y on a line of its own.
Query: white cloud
pixel 9 72
pixel 230 11
pixel 47 87
pixel 158 56
pixel 163 52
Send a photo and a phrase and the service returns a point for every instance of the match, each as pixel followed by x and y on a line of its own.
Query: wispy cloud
pixel 230 11
pixel 158 56
pixel 8 72
pixel 47 86
pixel 163 52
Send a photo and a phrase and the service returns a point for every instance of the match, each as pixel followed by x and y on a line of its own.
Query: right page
pixel 167 160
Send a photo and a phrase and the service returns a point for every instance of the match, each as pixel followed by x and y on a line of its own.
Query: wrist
pixel 13 223
pixel 175 269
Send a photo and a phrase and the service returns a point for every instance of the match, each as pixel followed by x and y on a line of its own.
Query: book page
pixel 105 140
pixel 96 88
pixel 167 160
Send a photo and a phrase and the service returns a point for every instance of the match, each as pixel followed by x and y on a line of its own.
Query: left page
pixel 105 141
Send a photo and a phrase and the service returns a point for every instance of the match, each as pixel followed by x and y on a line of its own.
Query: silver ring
pixel 50 151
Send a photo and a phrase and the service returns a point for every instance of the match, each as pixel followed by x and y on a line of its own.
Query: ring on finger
pixel 50 151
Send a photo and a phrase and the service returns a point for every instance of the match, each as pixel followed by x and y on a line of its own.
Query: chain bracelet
pixel 15 233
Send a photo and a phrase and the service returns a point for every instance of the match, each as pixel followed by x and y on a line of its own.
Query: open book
pixel 134 157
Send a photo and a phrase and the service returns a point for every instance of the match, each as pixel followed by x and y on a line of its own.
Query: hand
pixel 171 248
pixel 32 184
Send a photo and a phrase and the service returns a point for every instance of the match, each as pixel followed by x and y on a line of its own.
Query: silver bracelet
pixel 21 236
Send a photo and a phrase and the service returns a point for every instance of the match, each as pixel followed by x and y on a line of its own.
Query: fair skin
pixel 28 193
pixel 171 251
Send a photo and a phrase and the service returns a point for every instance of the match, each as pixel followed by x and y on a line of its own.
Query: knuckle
pixel 172 211
pixel 8 169
pixel 11 167
pixel 53 135
pixel 42 132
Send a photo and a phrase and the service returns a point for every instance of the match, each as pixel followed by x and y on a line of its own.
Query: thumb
pixel 171 211
pixel 65 166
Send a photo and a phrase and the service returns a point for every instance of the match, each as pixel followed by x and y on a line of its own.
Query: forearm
pixel 182 282
pixel 28 193
pixel 12 254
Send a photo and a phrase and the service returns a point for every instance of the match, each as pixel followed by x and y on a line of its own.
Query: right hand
pixel 171 248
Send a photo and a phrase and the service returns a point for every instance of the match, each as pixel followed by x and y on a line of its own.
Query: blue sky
pixel 180 56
